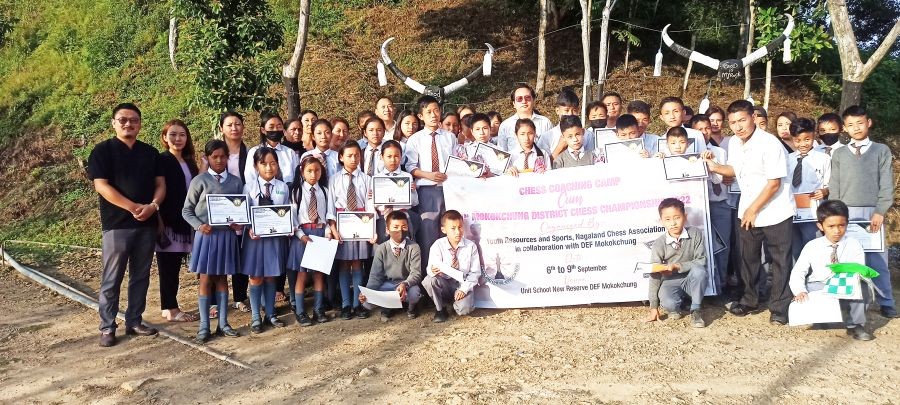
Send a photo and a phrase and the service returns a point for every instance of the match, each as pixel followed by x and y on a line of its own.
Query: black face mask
pixel 597 123
pixel 829 139
pixel 403 234
pixel 274 136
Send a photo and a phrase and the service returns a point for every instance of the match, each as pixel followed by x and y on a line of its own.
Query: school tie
pixel 828 150
pixel 798 172
pixel 351 193
pixel 312 207
pixel 525 166
pixel 435 162
pixel 858 148
pixel 717 189
pixel 370 169
pixel 834 257
pixel 218 178
pixel 454 261
pixel 397 251
pixel 577 155
pixel 268 192
pixel 677 244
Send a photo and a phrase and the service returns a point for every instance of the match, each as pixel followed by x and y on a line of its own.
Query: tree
pixel 291 70
pixel 586 55
pixel 604 48
pixel 853 71
pixel 542 52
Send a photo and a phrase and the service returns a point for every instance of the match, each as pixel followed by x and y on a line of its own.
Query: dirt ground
pixel 589 354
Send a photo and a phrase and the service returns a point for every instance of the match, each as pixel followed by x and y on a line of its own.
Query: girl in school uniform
pixel 373 130
pixel 322 139
pixel 392 155
pixel 314 213
pixel 527 157
pixel 351 191
pixel 214 256
pixel 262 259
pixel 481 132
pixel 406 124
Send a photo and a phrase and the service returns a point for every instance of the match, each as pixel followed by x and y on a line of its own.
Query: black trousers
pixel 777 239
pixel 169 265
pixel 239 284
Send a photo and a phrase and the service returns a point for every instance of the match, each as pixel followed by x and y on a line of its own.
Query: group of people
pixel 151 201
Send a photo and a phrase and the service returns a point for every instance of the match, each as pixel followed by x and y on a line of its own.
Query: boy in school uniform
pixel 828 129
pixel 641 112
pixel 811 272
pixel 682 254
pixel 596 115
pixel 677 142
pixel 671 112
pixel 396 266
pixel 576 153
pixel 809 171
pixel 522 98
pixel 719 209
pixel 552 140
pixel 457 252
pixel 766 209
pixel 626 128
pixel 863 178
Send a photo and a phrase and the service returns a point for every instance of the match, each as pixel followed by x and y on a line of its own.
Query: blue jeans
pixel 693 284
pixel 413 293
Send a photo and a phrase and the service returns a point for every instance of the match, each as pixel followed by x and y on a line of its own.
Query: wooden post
pixel 585 56
pixel 687 72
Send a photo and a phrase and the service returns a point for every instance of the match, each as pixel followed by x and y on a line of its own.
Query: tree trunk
pixel 585 56
pixel 742 32
pixel 768 84
pixel 604 48
pixel 542 52
pixel 628 40
pixel 851 93
pixel 290 71
pixel 687 72
pixel 553 15
pixel 173 40
pixel 750 35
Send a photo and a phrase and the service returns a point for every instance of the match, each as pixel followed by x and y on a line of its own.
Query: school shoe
pixel 778 319
pixel 108 339
pixel 202 336
pixel 889 312
pixel 386 314
pixel 412 312
pixel 256 327
pixel 140 330
pixel 346 314
pixel 741 310
pixel 676 315
pixel 320 317
pixel 859 333
pixel 440 316
pixel 361 313
pixel 697 319
pixel 278 323
pixel 227 331
pixel 303 319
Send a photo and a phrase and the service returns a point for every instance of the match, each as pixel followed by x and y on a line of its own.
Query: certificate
pixel 226 209
pixel 619 151
pixel 392 190
pixel 356 225
pixel 663 147
pixel 457 167
pixel 680 167
pixel 449 271
pixel 496 159
pixel 818 308
pixel 871 242
pixel 646 268
pixel 319 254
pixel 383 299
pixel 805 208
pixel 272 220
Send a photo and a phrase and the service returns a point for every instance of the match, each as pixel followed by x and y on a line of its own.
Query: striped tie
pixel 435 162
pixel 717 188
pixel 370 169
pixel 218 178
pixel 525 166
pixel 351 194
pixel 834 257
pixel 312 208
pixel 397 252
pixel 828 150
pixel 858 148
pixel 454 261
pixel 798 172
pixel 268 192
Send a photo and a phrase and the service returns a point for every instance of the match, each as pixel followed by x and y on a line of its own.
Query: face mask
pixel 597 123
pixel 829 139
pixel 274 136
pixel 403 234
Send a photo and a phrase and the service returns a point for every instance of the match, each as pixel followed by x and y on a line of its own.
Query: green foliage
pixel 230 48
pixel 626 36
pixel 6 24
pixel 807 40
pixel 881 98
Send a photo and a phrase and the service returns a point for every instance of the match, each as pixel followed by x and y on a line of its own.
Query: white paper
pixel 449 271
pixel 623 150
pixel 680 167
pixel 457 167
pixel 818 308
pixel 870 241
pixel 319 254
pixel 383 299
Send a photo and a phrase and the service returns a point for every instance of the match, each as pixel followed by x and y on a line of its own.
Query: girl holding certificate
pixel 214 256
pixel 527 157
pixel 350 190
pixel 262 259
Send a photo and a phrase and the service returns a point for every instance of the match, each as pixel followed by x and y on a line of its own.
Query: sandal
pixel 184 317
pixel 241 306
pixel 213 312
pixel 279 296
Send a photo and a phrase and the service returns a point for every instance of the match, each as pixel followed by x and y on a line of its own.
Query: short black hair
pixel 671 99
pixel 638 106
pixel 567 98
pixel 670 203
pixel 569 121
pixel 473 118
pixel 760 112
pixel 395 216
pixel 225 115
pixel 688 110
pixel 626 121
pixel 451 215
pixel 832 208
pixel 740 105
pixel 801 126
pixel 830 117
pixel 595 105
pixel 854 111
pixel 611 94
pixel 676 132
pixel 126 106
pixel 390 143
pixel 699 118
pixel 424 101
pixel 512 94
pixel 212 145
pixel 308 111
pixel 493 114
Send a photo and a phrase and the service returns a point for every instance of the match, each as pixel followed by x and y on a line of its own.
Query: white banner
pixel 571 236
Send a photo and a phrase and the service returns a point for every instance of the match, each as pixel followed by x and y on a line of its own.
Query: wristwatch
pixel 154 204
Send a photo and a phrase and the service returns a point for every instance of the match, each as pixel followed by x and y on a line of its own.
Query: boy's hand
pixel 653 315
pixel 659 155
pixel 437 177
pixel 401 289
pixel 305 239
pixel 675 267
pixel 802 297
pixel 820 194
pixel 436 271
pixel 512 172
pixel 459 295
pixel 876 221
pixel 748 219
pixel 253 235
pixel 205 229
pixel 644 154
pixel 362 298
pixel 727 180
pixel 707 155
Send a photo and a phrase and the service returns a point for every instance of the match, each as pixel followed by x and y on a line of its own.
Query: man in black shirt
pixel 127 176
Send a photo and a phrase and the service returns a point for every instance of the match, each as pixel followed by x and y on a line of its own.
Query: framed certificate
pixel 681 167
pixel 733 188
pixel 226 209
pixel 870 241
pixel 663 147
pixel 806 207
pixel 392 190
pixel 496 159
pixel 356 225
pixel 457 167
pixel 624 150
pixel 272 220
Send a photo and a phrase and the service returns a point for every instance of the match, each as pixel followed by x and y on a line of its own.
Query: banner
pixel 572 236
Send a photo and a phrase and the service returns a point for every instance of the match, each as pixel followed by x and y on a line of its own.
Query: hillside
pixel 66 63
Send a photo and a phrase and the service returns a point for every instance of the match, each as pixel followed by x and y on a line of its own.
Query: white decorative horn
pixel 772 46
pixel 695 56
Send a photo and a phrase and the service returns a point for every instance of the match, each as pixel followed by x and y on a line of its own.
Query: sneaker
pixel 697 319
pixel 386 314
pixel 859 333
pixel 108 339
pixel 361 313
pixel 140 330
pixel 412 312
pixel 440 316
pixel 303 319
pixel 256 327
pixel 346 314
pixel 676 315
pixel 320 317
pixel 278 323
pixel 889 312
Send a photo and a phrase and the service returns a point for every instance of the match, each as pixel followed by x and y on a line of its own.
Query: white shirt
pixel 816 171
pixel 414 199
pixel 821 147
pixel 517 159
pixel 418 152
pixel 863 144
pixel 816 255
pixel 332 164
pixel 698 138
pixel 324 208
pixel 394 245
pixel 756 161
pixel 367 156
pixel 278 191
pixel 549 139
pixel 234 163
pixel 714 178
pixel 287 162
pixel 506 137
pixel 214 174
pixel 684 235
pixel 466 254
pixel 340 184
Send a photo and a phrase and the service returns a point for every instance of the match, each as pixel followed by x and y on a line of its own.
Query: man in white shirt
pixel 766 210
pixel 522 99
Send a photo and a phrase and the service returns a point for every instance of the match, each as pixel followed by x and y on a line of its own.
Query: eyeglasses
pixel 523 99
pixel 123 120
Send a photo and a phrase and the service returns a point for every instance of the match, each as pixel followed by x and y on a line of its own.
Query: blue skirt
pixel 215 254
pixel 297 248
pixel 263 257
pixel 354 250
